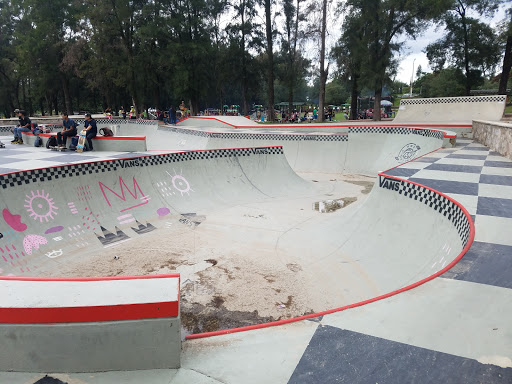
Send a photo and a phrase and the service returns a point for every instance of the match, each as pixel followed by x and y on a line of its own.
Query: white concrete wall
pixel 451 109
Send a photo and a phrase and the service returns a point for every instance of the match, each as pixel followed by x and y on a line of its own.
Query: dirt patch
pixel 294 267
pixel 217 301
pixel 349 200
pixel 368 185
pixel 197 318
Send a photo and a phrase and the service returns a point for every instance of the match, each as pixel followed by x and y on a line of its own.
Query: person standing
pixel 122 112
pixel 23 126
pixel 172 115
pixel 68 130
pixel 91 130
pixel 133 114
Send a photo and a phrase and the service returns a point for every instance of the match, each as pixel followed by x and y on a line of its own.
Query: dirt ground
pixel 233 272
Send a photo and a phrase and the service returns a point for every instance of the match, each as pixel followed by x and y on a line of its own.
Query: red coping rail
pixel 364 302
pixel 89 313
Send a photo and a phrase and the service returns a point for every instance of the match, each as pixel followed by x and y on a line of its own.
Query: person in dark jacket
pixel 24 126
pixel 91 130
pixel 68 130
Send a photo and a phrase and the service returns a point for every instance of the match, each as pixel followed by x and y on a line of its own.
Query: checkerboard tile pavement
pixel 481 180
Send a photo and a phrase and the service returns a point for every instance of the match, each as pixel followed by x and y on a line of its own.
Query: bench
pixel 100 143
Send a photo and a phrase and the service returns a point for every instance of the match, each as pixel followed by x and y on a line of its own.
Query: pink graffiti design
pixel 90 220
pixel 31 242
pixel 122 196
pixel 14 221
pixel 40 206
pixel 84 193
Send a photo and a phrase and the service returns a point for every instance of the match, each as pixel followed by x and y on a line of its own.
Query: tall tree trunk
pixel 270 54
pixel 56 103
pixel 245 104
pixel 23 94
pixel 376 103
pixel 194 106
pixel 49 103
pixel 323 71
pixel 353 101
pixel 466 54
pixel 67 97
pixel 30 105
pixel 507 66
pixel 41 106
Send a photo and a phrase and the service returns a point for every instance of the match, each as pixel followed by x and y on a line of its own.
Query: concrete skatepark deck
pixel 395 211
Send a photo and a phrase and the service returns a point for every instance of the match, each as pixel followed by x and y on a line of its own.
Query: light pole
pixel 412 77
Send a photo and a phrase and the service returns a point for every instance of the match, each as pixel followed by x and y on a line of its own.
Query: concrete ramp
pixel 217 122
pixel 364 149
pixel 463 109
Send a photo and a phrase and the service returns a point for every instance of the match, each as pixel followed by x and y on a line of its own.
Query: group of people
pixel 69 129
pixel 132 114
pixel 168 117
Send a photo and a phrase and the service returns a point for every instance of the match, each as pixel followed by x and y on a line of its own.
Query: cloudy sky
pixel 413 49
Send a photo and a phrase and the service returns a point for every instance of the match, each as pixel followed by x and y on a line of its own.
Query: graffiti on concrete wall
pixel 40 206
pixel 135 199
pixel 14 221
pixel 408 152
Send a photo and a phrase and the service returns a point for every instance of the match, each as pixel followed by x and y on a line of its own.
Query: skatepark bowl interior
pixel 176 261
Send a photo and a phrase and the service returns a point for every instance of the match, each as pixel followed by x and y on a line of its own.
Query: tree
pixel 468 44
pixel 383 21
pixel 270 59
pixel 506 36
pixel 324 72
pixel 349 54
pixel 291 58
pixel 244 34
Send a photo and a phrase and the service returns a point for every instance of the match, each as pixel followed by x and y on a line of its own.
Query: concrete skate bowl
pixel 237 224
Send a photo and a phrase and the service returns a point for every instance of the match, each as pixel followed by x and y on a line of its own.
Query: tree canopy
pixel 87 55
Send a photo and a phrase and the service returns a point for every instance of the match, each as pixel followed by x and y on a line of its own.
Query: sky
pixel 413 54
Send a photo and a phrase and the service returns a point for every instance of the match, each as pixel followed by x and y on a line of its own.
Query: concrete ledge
pixel 495 135
pixel 447 109
pixel 100 143
pixel 89 324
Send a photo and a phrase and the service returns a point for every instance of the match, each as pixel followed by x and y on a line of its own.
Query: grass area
pixel 508 108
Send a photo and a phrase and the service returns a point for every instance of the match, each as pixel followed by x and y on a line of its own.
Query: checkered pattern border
pixel 259 136
pixel 55 173
pixel 8 128
pixel 398 131
pixel 434 200
pixel 123 121
pixel 451 100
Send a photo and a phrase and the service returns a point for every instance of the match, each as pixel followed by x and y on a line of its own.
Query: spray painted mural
pixel 48 214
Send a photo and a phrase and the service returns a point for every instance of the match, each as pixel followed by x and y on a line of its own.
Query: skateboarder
pixel 69 130
pixel 24 126
pixel 91 130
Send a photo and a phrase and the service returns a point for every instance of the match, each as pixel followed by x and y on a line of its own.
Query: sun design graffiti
pixel 40 206
pixel 180 184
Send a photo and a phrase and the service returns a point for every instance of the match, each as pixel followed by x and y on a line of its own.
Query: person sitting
pixel 23 126
pixel 68 130
pixel 91 130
